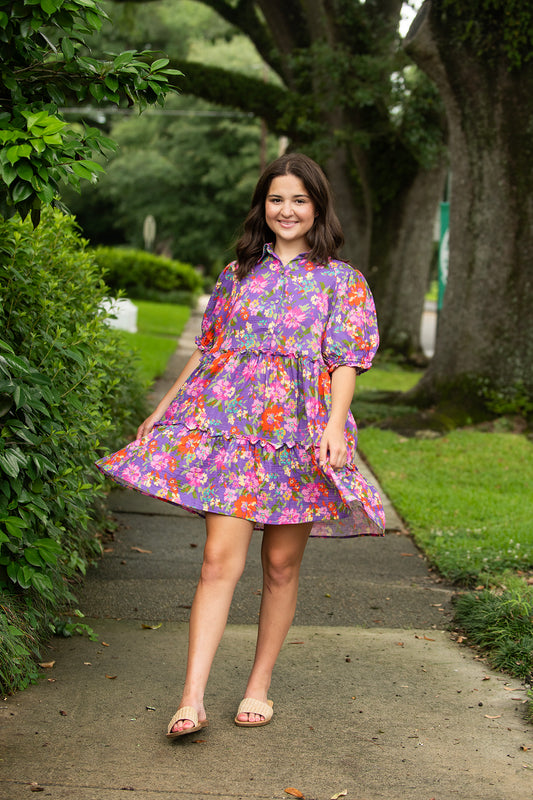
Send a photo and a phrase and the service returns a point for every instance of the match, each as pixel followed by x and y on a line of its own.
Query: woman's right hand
pixel 146 427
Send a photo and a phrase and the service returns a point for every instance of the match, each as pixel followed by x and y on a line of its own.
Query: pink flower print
pixel 311 493
pixel 250 370
pixel 289 516
pixel 131 473
pixel 160 460
pixel 196 477
pixel 257 406
pixel 257 284
pixel 220 461
pixel 219 305
pixel 312 406
pixel 197 388
pixel 223 390
pixel 294 317
pixel 320 302
pixel 276 391
pixel 316 328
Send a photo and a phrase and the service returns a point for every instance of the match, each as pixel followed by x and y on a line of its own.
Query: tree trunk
pixel 401 259
pixel 484 347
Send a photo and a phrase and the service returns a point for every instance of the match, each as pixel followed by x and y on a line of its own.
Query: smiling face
pixel 290 214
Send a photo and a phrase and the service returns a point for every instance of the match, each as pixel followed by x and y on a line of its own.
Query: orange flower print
pixel 272 417
pixel 245 505
pixel 189 443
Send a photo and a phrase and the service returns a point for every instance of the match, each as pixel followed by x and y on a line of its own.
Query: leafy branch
pixel 45 63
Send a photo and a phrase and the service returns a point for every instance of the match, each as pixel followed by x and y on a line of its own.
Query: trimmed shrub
pixel 144 276
pixel 68 389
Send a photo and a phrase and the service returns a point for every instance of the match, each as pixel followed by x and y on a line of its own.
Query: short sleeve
pixel 216 311
pixel 351 337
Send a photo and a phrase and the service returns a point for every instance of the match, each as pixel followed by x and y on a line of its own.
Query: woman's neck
pixel 287 251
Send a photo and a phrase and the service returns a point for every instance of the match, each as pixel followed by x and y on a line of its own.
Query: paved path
pixel 371 693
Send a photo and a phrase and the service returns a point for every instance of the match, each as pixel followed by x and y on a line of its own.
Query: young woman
pixel 256 432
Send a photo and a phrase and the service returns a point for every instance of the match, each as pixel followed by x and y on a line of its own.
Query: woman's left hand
pixel 333 447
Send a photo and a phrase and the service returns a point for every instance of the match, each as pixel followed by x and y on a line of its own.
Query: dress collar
pixel 268 250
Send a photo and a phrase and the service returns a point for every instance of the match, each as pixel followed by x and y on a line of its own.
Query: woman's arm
pixel 333 442
pixel 146 426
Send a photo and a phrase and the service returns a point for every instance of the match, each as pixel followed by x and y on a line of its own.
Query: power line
pixel 163 112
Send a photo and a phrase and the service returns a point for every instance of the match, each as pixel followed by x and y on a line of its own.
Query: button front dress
pixel 242 435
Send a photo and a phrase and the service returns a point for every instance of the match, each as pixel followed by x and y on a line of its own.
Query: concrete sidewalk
pixel 371 694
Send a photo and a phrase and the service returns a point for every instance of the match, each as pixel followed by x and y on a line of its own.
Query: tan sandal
pixel 185 712
pixel 251 706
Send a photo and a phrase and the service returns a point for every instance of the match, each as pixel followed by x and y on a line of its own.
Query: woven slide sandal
pixel 251 706
pixel 185 712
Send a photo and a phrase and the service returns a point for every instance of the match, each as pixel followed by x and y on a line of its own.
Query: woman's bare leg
pixel 281 554
pixel 225 551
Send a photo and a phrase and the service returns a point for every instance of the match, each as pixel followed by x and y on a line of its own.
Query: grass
pixel 467 499
pixel 376 392
pixel 501 624
pixel 159 326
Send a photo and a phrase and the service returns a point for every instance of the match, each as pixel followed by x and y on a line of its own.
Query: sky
pixel 409 11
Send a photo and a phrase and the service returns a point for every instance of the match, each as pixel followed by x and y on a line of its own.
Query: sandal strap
pixel 251 706
pixel 185 712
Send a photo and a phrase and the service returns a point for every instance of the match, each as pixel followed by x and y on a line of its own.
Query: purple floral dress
pixel 242 435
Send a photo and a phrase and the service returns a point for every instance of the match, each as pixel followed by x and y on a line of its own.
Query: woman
pixel 256 431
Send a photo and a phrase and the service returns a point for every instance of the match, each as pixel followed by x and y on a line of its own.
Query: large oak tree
pixel 480 55
pixel 342 97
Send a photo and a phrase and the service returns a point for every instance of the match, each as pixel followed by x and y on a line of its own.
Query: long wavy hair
pixel 324 238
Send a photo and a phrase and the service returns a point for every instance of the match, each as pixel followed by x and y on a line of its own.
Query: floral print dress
pixel 242 435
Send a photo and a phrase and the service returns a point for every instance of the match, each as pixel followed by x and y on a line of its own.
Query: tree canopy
pixel 43 65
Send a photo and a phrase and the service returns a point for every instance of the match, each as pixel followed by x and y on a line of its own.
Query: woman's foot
pixel 187 719
pixel 253 713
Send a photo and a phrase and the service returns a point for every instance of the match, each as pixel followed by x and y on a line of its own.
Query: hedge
pixel 68 391
pixel 144 276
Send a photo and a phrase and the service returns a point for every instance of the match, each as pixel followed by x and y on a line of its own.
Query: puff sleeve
pixel 217 310
pixel 351 337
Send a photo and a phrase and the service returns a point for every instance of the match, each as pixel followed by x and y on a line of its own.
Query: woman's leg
pixel 226 546
pixel 282 553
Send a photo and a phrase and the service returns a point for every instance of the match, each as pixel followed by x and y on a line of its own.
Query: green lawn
pixel 159 326
pixel 387 377
pixel 467 497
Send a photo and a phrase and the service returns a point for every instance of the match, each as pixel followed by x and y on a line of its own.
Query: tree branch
pixel 264 100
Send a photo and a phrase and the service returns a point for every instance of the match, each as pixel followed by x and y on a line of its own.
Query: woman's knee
pixel 280 568
pixel 221 564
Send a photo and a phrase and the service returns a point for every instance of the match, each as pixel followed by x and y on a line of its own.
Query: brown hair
pixel 325 237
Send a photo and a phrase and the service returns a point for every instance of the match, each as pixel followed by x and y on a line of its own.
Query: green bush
pixel 144 276
pixel 68 389
pixel 500 623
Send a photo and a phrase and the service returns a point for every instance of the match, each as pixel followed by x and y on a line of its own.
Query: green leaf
pixel 8 173
pixel 111 82
pixel 68 48
pixel 81 171
pixel 56 138
pixel 124 58
pixel 33 557
pixel 15 526
pixel 21 191
pixel 159 64
pixel 25 171
pixel 49 6
pixel 42 583
pixel 38 145
pixel 94 166
pixel 97 91
pixel 13 153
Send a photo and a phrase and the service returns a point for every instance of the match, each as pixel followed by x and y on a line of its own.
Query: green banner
pixel 444 250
